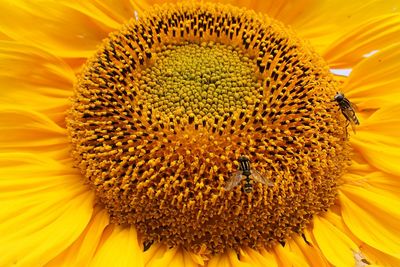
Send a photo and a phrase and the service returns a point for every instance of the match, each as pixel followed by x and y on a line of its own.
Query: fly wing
pixel 354 106
pixel 349 111
pixel 353 126
pixel 234 180
pixel 351 117
pixel 258 177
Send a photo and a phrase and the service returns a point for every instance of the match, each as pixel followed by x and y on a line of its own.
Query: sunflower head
pixel 169 103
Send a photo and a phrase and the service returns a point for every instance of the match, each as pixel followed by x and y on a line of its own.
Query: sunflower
pixel 127 130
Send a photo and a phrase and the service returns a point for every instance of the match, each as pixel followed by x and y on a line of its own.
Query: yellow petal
pixel 375 82
pixel 166 258
pixel 360 168
pixel 196 258
pixel 28 131
pixel 373 218
pixel 24 65
pixel 335 245
pixel 287 12
pixel 375 181
pixel 374 34
pixel 188 259
pixel 120 248
pixel 321 21
pixel 4 37
pixel 108 12
pixel 377 139
pixel 175 257
pixel 327 21
pixel 287 257
pixel 35 80
pixel 26 176
pixel 310 250
pixel 228 259
pixel 255 258
pixel 34 100
pixel 142 6
pixel 45 208
pixel 53 26
pixel 155 251
pixel 82 250
pixel 172 257
pixel 378 257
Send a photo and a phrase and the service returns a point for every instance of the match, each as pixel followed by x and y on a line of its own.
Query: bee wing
pixel 258 177
pixel 234 180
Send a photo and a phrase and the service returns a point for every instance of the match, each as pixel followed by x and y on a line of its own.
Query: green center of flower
pixel 165 111
pixel 206 80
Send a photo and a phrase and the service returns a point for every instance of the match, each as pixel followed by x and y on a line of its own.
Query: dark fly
pixel 348 110
pixel 247 173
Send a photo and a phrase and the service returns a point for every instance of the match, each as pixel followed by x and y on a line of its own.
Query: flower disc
pixel 169 103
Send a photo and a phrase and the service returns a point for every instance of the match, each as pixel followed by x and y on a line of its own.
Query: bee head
pixel 338 97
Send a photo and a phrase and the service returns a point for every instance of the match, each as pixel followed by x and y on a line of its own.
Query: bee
pixel 348 110
pixel 246 172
